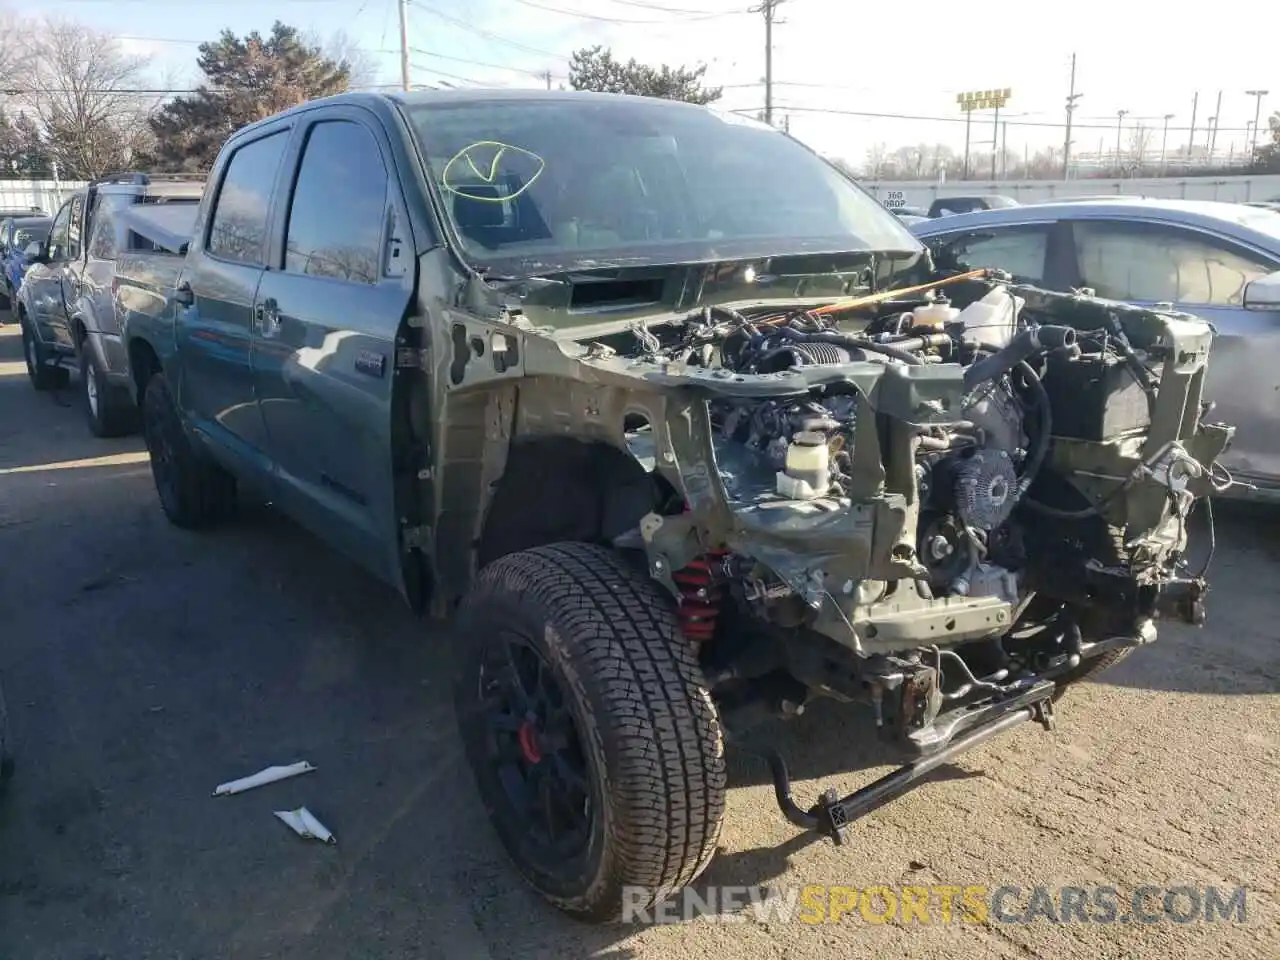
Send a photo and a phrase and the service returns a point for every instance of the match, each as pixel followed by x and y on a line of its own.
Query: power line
pixel 596 16
pixel 654 6
pixel 928 119
pixel 540 74
pixel 480 31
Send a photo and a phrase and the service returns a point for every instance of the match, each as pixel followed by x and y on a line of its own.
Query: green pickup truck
pixel 681 430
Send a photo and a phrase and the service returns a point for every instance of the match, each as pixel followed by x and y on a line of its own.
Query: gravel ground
pixel 144 665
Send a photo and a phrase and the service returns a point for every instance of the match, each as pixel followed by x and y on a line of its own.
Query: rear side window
pixel 238 227
pixel 1149 262
pixel 338 213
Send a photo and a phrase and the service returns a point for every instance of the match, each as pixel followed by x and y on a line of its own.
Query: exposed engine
pixel 971 473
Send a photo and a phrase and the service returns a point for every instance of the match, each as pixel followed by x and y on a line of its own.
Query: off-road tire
pixel 194 491
pixel 44 374
pixel 646 723
pixel 1089 668
pixel 114 413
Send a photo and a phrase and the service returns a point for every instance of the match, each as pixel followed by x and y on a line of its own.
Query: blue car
pixel 16 233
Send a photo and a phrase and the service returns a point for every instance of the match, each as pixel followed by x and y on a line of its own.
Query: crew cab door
pixel 42 286
pixel 326 314
pixel 215 331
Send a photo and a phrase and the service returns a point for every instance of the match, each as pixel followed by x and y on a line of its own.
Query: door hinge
pixel 416 538
pixel 413 358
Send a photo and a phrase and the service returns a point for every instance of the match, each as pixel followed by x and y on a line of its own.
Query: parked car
pixel 16 235
pixel 951 206
pixel 1215 260
pixel 66 303
pixel 582 371
pixel 905 211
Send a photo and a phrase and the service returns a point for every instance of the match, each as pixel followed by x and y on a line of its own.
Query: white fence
pixel 45 195
pixel 921 193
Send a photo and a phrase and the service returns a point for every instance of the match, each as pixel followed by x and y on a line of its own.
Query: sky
pixel 829 55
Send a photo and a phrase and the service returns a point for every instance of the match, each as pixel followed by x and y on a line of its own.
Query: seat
pixel 480 220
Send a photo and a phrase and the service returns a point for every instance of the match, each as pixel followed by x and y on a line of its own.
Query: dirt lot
pixel 144 666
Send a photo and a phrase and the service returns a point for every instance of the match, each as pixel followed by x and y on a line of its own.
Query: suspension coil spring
pixel 700 596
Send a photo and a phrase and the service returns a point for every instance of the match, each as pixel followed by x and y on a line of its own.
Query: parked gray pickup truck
pixel 673 420
pixel 66 301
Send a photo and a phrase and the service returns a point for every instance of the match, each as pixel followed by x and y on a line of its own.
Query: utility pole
pixel 1164 143
pixel 404 44
pixel 1191 137
pixel 768 8
pixel 1004 150
pixel 1215 120
pixel 547 76
pixel 1120 115
pixel 1257 114
pixel 1072 97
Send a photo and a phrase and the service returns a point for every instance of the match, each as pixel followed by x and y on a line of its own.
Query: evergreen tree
pixel 245 79
pixel 594 68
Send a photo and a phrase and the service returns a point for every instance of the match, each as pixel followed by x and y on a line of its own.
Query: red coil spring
pixel 700 597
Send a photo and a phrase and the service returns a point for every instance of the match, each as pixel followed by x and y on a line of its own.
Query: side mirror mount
pixel 1263 293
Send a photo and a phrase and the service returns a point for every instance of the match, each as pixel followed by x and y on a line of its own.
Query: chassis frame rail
pixel 832 816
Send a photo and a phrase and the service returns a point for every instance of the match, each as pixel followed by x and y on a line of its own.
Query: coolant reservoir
pixel 807 473
pixel 935 315
pixel 993 319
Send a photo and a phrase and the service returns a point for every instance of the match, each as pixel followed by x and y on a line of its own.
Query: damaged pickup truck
pixel 682 430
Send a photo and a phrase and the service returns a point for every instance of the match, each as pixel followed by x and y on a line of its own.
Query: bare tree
pixel 362 67
pixel 85 92
pixel 877 154
pixel 1140 142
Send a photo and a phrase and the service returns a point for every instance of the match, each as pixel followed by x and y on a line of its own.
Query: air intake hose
pixel 1022 347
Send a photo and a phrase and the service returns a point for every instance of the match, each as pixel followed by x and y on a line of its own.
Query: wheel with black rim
pixel 107 407
pixel 44 373
pixel 587 722
pixel 193 490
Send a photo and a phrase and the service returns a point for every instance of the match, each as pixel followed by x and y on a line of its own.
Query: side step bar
pixel 832 816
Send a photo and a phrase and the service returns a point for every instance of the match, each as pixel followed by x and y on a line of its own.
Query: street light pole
pixel 1257 114
pixel 1164 143
pixel 1120 115
pixel 1072 97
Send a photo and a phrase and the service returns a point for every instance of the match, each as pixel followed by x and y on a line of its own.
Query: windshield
pixel 646 181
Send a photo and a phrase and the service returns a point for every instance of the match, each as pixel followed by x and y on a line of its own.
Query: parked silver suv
pixel 66 303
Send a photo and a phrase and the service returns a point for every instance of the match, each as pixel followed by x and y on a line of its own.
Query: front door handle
pixel 267 316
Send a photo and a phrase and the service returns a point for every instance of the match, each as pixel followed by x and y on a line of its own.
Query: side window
pixel 1149 262
pixel 75 228
pixel 238 227
pixel 338 214
pixel 58 235
pixel 1019 250
pixel 102 233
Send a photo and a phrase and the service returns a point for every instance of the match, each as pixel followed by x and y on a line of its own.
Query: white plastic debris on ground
pixel 304 824
pixel 262 777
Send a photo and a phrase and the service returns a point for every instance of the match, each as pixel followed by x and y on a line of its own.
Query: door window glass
pixel 1148 262
pixel 75 228
pixel 238 229
pixel 339 206
pixel 1018 250
pixel 58 235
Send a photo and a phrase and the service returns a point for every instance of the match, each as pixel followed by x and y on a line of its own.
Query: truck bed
pixel 145 279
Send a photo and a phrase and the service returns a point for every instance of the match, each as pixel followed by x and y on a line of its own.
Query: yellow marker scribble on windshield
pixel 481 156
